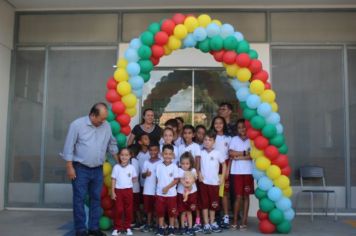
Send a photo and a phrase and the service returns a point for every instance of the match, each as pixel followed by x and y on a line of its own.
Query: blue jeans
pixel 88 180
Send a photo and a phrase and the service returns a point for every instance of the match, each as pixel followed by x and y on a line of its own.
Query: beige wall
pixel 6 39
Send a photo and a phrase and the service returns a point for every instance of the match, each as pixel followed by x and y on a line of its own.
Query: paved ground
pixel 39 223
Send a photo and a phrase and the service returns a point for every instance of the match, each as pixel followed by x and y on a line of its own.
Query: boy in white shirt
pixel 143 155
pixel 189 145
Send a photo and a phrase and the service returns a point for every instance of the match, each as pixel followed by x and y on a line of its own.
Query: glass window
pixel 68 28
pixel 309 87
pixel 313 27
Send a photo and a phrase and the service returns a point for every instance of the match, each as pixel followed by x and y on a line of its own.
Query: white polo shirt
pixel 149 187
pixel 176 156
pixel 142 157
pixel 123 176
pixel 165 175
pixel 222 143
pixel 209 165
pixel 136 184
pixel 240 167
pixel 180 188
pixel 193 148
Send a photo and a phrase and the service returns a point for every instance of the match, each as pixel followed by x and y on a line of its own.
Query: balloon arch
pixel 250 81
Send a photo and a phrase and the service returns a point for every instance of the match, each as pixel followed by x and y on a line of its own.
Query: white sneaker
pixel 115 232
pixel 129 232
pixel 226 219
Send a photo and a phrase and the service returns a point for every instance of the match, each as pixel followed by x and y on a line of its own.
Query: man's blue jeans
pixel 88 180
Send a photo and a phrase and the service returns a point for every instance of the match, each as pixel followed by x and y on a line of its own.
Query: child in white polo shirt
pixel 168 136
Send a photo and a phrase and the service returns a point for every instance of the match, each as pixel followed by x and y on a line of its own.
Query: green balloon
pixel 144 52
pixel 243 105
pixel 145 65
pixel 147 38
pixel 154 27
pixel 258 122
pixel 283 149
pixel 243 46
pixel 216 43
pixel 121 140
pixel 204 45
pixel 111 116
pixel 145 76
pixel 276 216
pixel 105 223
pixel 115 127
pixel 277 140
pixel 269 131
pixel 259 193
pixel 230 43
pixel 284 227
pixel 253 54
pixel 266 204
pixel 249 113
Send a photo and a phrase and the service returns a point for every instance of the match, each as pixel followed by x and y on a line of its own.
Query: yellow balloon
pixel 167 50
pixel 131 111
pixel 288 191
pixel 274 106
pixel 216 22
pixel 107 181
pixel 282 182
pixel 123 88
pixel 180 31
pixel 231 70
pixel 243 74
pixel 268 96
pixel 129 100
pixel 174 43
pixel 122 63
pixel 255 153
pixel 262 163
pixel 121 74
pixel 257 87
pixel 273 172
pixel 191 23
pixel 204 20
pixel 107 168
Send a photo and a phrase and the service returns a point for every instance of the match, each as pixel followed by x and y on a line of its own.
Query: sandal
pixel 243 227
pixel 234 227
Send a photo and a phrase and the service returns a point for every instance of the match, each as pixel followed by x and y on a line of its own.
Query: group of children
pixel 181 178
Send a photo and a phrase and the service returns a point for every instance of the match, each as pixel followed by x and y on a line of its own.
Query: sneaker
pixel 115 232
pixel 160 232
pixel 129 232
pixel 179 231
pixel 215 228
pixel 190 232
pixel 170 231
pixel 197 228
pixel 225 223
pixel 145 229
pixel 137 226
pixel 207 229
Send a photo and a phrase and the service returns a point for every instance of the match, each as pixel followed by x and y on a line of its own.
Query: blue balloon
pixel 239 36
pixel 279 128
pixel 212 30
pixel 133 68
pixel 199 34
pixel 236 84
pixel 136 82
pixel 284 204
pixel 135 43
pixel 274 118
pixel 189 41
pixel 264 109
pixel 131 55
pixel 242 94
pixel 137 92
pixel 257 174
pixel 253 101
pixel 265 183
pixel 226 30
pixel 289 214
pixel 274 194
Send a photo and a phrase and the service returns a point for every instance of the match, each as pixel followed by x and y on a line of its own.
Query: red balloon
pixel 281 161
pixel 243 60
pixel 168 26
pixel 109 213
pixel 266 227
pixel 268 86
pixel 248 124
pixel 262 75
pixel 157 50
pixel 261 142
pixel 178 18
pixel 271 152
pixel 112 96
pixel 253 133
pixel 161 38
pixel 229 57
pixel 123 119
pixel 219 55
pixel 104 192
pixel 154 60
pixel 126 130
pixel 118 108
pixel 106 203
pixel 111 84
pixel 255 66
pixel 261 215
pixel 286 171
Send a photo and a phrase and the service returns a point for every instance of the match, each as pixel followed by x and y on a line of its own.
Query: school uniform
pixel 222 143
pixel 193 148
pixel 136 185
pixel 142 157
pixel 191 203
pixel 149 188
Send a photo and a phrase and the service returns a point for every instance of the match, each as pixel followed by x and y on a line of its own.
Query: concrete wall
pixel 7 16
